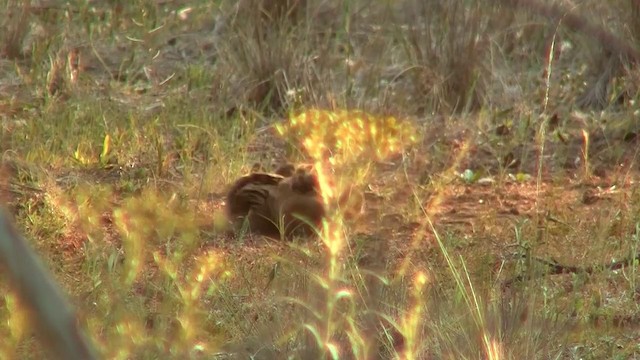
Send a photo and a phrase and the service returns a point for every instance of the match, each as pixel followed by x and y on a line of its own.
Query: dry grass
pixel 122 124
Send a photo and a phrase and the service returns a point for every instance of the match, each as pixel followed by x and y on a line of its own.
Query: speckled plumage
pixel 277 204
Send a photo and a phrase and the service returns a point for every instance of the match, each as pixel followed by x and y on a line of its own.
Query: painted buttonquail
pixel 287 202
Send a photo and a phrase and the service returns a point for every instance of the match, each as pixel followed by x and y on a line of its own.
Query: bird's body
pixel 275 205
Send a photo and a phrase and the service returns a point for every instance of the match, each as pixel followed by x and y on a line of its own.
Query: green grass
pixel 120 168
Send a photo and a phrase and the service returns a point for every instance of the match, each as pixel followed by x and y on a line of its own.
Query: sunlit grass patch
pixel 343 144
pixel 151 278
pixel 345 136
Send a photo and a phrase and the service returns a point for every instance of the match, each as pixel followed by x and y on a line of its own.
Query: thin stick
pixel 53 316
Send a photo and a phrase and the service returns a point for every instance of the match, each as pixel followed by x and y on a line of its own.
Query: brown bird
pixel 285 203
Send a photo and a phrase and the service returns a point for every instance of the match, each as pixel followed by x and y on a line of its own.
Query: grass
pixel 453 126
